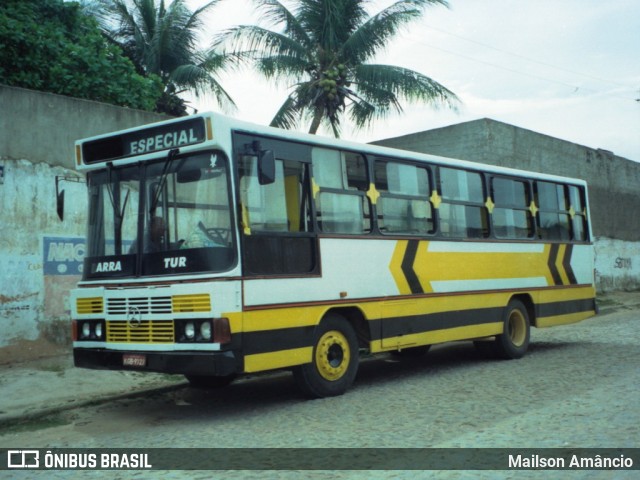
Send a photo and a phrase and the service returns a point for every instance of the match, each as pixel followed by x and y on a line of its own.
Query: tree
pixel 324 49
pixel 162 40
pixel 50 45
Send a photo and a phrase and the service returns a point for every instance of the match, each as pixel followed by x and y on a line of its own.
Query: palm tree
pixel 161 39
pixel 324 50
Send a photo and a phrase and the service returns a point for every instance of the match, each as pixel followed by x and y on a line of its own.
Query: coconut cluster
pixel 332 79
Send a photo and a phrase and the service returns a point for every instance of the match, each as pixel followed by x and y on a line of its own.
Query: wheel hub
pixel 332 355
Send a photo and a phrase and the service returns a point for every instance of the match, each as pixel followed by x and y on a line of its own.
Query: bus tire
pixel 513 342
pixel 334 361
pixel 210 381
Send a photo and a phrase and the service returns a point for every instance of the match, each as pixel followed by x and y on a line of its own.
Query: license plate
pixel 130 360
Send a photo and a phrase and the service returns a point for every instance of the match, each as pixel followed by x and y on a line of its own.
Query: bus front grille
pixel 142 305
pixel 146 331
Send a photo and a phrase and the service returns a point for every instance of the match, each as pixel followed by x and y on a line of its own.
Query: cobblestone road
pixel 578 387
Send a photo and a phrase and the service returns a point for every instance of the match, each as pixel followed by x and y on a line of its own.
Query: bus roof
pixel 227 123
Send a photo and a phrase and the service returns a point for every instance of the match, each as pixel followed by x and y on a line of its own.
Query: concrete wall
pixel 614 182
pixel 41 257
pixel 43 127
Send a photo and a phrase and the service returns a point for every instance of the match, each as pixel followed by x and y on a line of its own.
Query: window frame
pixel 531 219
pixel 427 198
pixel 558 212
pixel 485 229
pixel 355 191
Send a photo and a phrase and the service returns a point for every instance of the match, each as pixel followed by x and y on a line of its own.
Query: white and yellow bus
pixel 217 248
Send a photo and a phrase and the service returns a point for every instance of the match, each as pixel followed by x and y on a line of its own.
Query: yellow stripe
pixel 437 336
pixel 280 359
pixel 281 318
pixel 438 266
pixel 278 318
pixel 561 294
pixel 440 304
pixel 563 319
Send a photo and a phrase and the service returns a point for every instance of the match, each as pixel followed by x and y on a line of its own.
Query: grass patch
pixel 36 424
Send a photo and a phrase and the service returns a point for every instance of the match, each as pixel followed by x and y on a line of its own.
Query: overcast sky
pixel 565 68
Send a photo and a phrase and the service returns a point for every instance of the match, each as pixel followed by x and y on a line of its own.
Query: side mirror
pixel 60 193
pixel 266 167
pixel 59 200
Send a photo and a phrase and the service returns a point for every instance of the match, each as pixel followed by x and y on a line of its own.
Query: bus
pixel 217 248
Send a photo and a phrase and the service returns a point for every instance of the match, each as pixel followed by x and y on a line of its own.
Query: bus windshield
pixel 165 217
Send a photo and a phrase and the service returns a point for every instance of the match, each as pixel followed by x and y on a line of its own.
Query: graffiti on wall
pixel 62 261
pixel 624 263
pixel 63 255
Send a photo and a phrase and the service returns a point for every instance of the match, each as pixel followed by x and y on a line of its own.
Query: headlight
pixel 86 330
pixel 195 330
pixel 205 331
pixel 91 330
pixel 190 330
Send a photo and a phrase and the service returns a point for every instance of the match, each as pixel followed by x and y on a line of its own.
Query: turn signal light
pixel 221 330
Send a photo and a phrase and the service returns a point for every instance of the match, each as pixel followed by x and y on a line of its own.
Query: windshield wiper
pixel 163 179
pixel 118 213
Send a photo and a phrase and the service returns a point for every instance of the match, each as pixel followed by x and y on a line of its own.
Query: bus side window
pixel 264 206
pixel 553 216
pixel 511 215
pixel 462 213
pixel 341 202
pixel 577 206
pixel 403 206
pixel 280 206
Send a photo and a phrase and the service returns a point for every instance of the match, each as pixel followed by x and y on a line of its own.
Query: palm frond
pixel 363 113
pixel 161 37
pixel 275 13
pixel 374 34
pixel 288 115
pixel 402 83
pixel 252 38
pixel 283 66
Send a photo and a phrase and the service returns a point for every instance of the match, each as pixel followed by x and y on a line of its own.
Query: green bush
pixel 50 45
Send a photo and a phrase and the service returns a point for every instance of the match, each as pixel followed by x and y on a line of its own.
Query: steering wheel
pixel 216 234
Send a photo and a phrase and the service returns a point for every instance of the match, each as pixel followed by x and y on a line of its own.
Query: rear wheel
pixel 513 342
pixel 334 363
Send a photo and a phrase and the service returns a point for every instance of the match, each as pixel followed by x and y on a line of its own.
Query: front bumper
pixel 186 363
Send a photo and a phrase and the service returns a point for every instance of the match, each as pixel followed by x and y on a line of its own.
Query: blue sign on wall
pixel 63 255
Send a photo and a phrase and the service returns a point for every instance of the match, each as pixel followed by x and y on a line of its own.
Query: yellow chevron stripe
pixel 563 273
pixel 438 266
pixel 396 267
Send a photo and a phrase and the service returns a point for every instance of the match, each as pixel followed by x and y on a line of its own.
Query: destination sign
pixel 148 140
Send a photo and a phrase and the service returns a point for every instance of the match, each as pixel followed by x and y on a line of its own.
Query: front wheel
pixel 334 363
